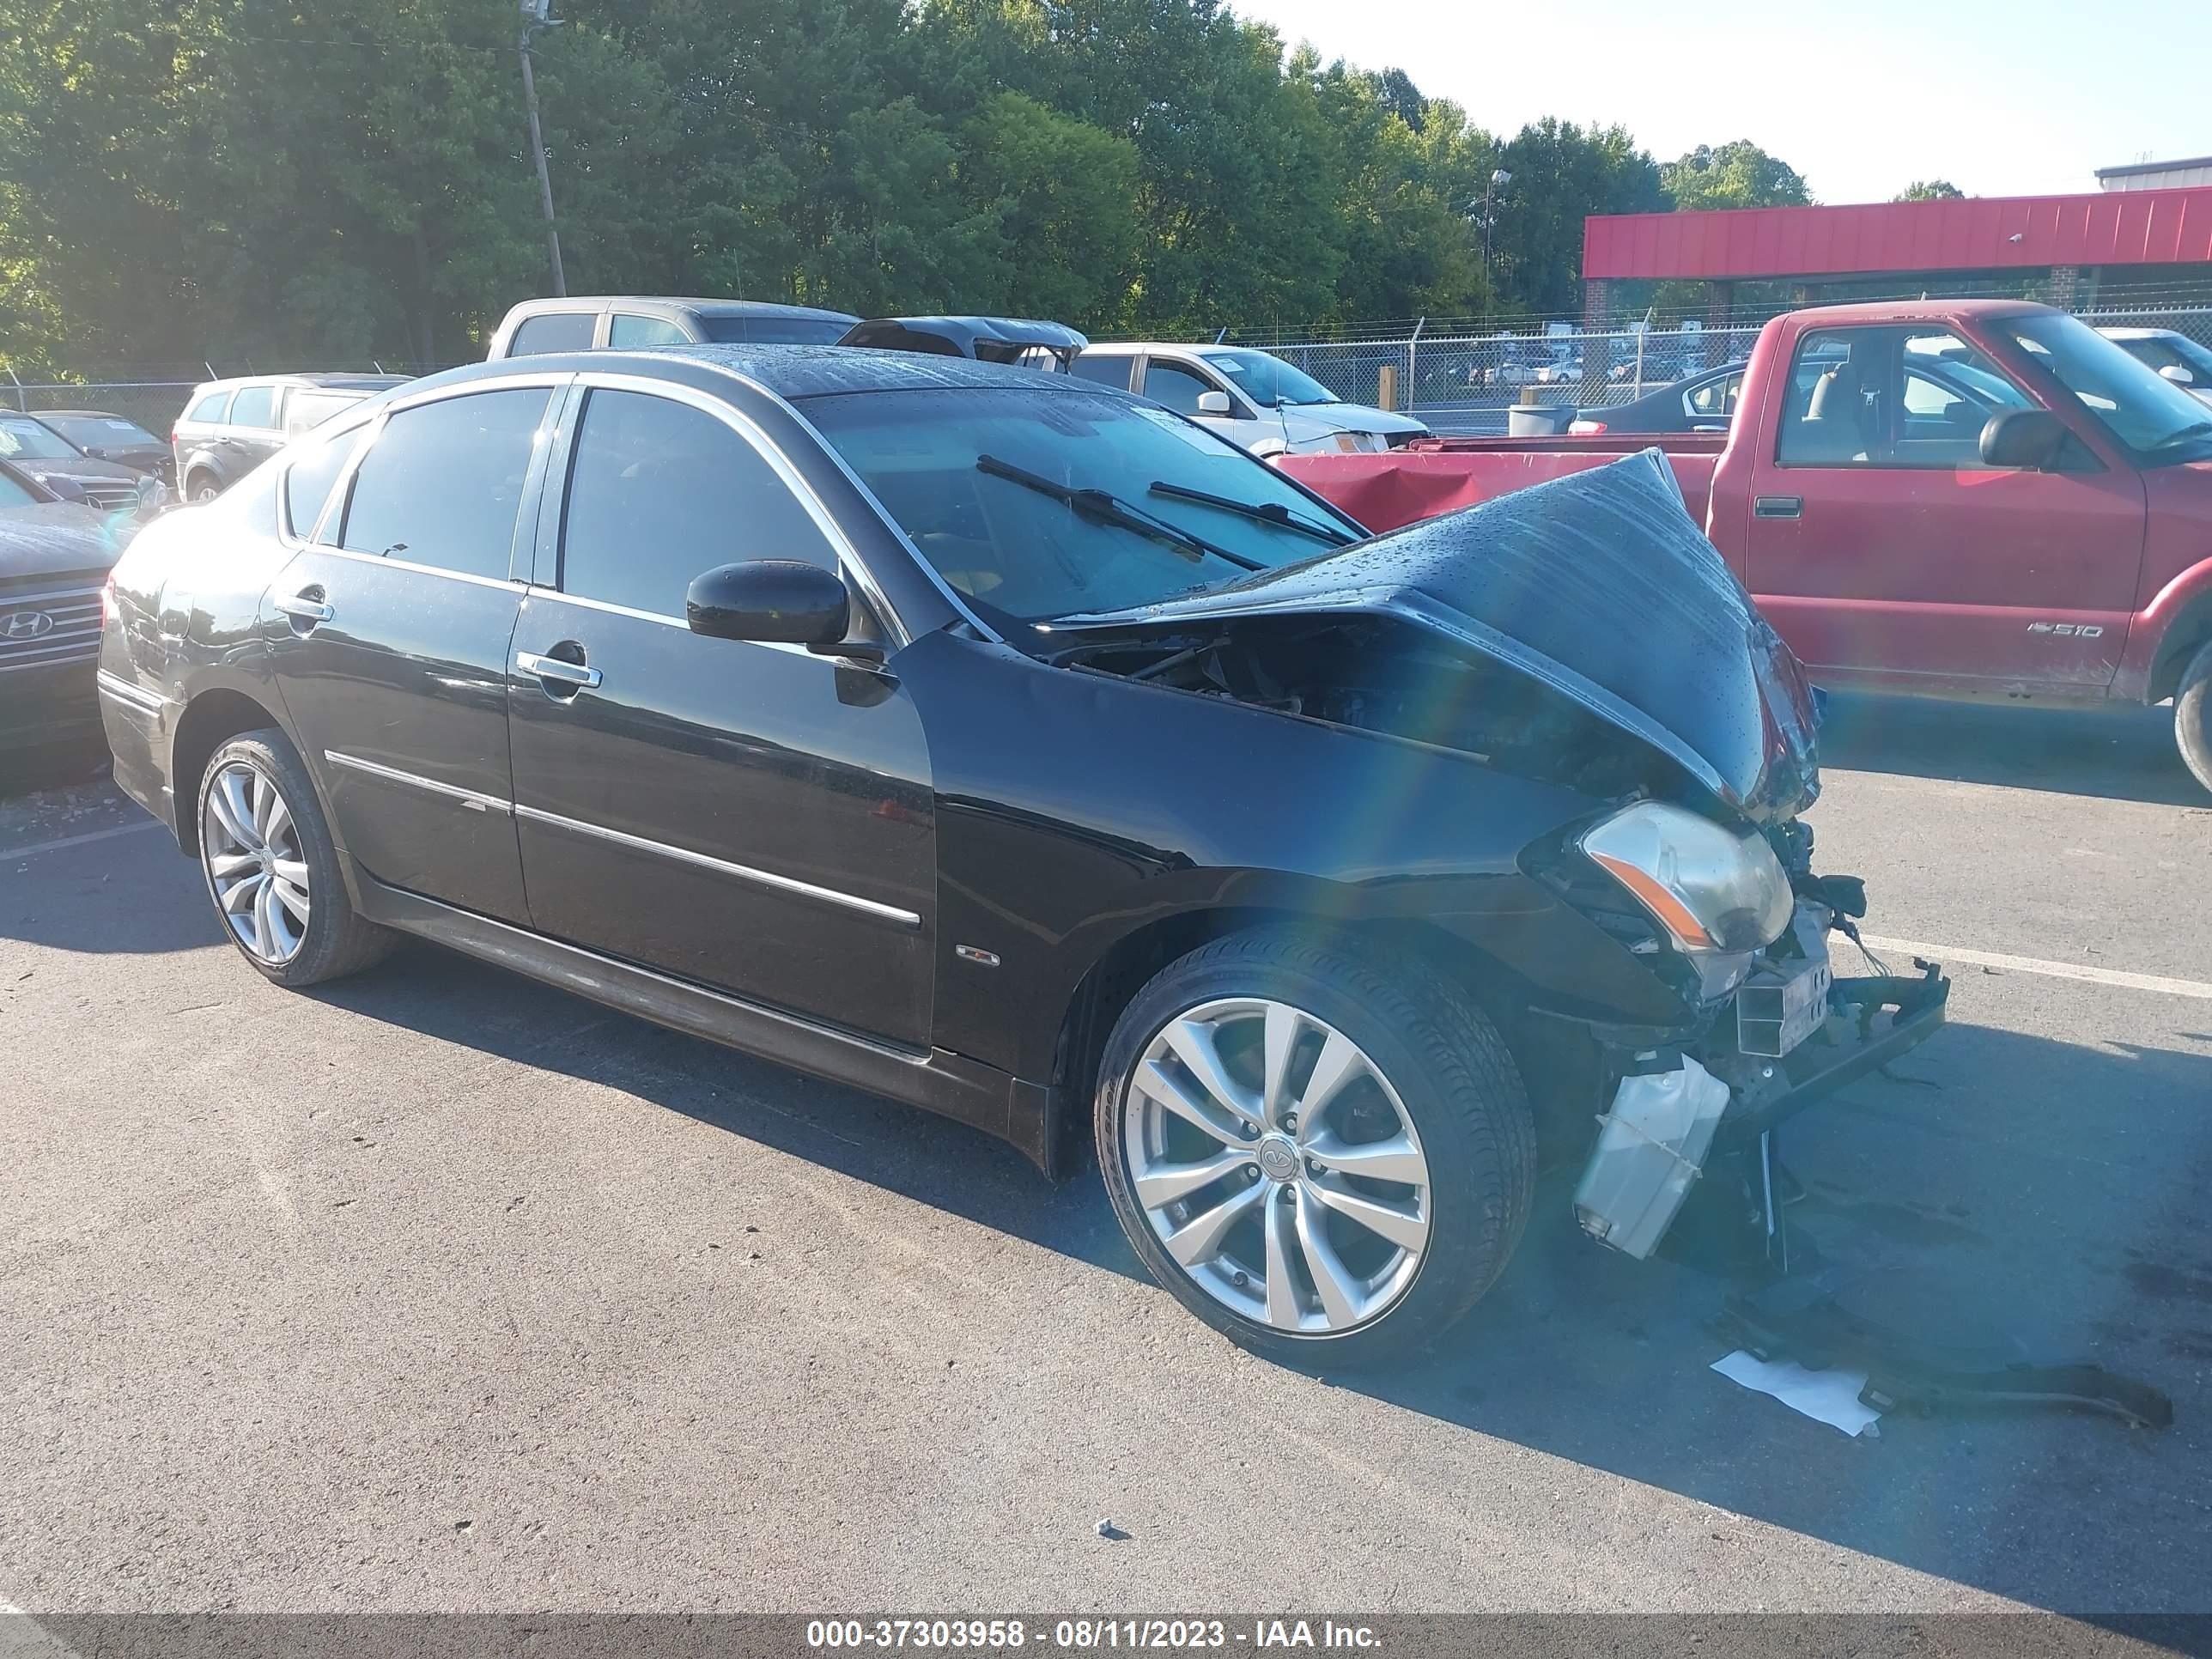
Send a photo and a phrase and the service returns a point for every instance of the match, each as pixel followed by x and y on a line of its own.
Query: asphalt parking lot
pixel 440 1290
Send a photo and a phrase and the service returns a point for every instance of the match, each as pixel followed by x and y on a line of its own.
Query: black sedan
pixel 1705 402
pixel 107 436
pixel 1010 746
pixel 37 449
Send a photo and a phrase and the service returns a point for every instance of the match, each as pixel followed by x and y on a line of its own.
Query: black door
pixel 747 817
pixel 390 646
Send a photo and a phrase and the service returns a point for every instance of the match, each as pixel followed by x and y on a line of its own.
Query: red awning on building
pixel 2119 227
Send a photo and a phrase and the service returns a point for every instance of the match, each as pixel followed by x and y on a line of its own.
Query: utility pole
pixel 534 18
pixel 1499 178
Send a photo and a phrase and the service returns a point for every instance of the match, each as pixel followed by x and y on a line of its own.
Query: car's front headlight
pixel 1720 897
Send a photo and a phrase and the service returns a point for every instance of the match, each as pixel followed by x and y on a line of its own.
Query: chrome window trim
pixel 538 590
pixel 889 913
pixel 848 559
pixel 468 798
pixel 385 562
pixel 122 690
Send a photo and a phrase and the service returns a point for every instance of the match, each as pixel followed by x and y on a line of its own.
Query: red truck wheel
pixel 2192 715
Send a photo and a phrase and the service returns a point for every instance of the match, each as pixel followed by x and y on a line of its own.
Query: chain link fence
pixel 1461 382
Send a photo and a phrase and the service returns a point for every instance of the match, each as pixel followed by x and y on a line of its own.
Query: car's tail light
pixel 1585 428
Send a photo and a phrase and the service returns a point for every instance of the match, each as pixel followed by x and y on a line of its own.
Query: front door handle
pixel 1778 506
pixel 554 668
pixel 306 608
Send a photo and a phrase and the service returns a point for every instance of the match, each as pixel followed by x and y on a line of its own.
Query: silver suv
pixel 230 426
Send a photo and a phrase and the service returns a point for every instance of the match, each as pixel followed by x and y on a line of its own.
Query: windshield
pixel 2153 418
pixel 944 463
pixel 24 440
pixel 1268 381
pixel 96 431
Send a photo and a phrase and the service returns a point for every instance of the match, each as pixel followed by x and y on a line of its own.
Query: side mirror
pixel 2178 374
pixel 772 601
pixel 68 489
pixel 1213 402
pixel 2023 438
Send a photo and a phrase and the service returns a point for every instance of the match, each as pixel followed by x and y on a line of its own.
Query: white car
pixel 1249 396
pixel 2175 356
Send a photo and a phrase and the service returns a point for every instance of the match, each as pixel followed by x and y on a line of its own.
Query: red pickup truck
pixel 1953 497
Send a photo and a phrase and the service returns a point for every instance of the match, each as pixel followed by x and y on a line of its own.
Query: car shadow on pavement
pixel 2048 1190
pixel 2121 753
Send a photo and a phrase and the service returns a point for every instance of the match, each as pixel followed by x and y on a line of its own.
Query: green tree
pixel 1062 199
pixel 1732 175
pixel 1929 189
pixel 1562 173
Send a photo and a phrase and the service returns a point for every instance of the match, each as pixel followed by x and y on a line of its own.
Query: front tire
pixel 1326 1161
pixel 271 866
pixel 2192 715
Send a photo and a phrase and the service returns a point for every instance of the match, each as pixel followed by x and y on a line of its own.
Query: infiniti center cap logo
pixel 1278 1158
pixel 27 625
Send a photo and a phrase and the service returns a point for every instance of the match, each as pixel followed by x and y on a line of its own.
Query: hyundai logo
pixel 27 625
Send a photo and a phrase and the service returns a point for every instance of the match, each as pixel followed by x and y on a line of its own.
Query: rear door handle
pixel 1778 506
pixel 553 668
pixel 305 607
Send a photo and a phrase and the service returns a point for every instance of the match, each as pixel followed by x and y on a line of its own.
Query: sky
pixel 2029 97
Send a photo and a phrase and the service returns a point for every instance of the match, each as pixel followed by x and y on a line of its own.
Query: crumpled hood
pixel 1598 586
pixel 57 537
pixel 1305 420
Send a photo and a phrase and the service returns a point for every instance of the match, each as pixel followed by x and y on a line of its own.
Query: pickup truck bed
pixel 1965 497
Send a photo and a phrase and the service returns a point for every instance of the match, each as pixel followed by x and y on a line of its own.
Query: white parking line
pixel 8 853
pixel 1949 953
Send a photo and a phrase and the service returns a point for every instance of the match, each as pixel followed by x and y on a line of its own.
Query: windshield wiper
pixel 1272 513
pixel 1112 510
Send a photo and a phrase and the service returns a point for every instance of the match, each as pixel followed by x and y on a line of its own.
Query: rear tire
pixel 271 866
pixel 2192 715
pixel 1358 1236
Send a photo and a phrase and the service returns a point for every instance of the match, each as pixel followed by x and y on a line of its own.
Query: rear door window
pixel 660 492
pixel 1108 369
pixel 443 484
pixel 630 329
pixel 554 331
pixel 254 406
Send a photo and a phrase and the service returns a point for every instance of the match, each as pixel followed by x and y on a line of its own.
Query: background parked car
pixel 230 426
pixel 586 322
pixel 107 436
pixel 1252 398
pixel 2174 354
pixel 1704 402
pixel 71 474
pixel 55 556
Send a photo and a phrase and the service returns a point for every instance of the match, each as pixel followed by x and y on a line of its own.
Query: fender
pixel 2163 635
pixel 206 460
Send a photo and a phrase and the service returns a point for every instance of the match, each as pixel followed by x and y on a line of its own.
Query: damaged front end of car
pixel 1584 633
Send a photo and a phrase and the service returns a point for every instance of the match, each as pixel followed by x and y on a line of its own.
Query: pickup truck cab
pixel 1960 498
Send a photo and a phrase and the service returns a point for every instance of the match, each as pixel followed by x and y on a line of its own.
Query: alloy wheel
pixel 256 867
pixel 1277 1166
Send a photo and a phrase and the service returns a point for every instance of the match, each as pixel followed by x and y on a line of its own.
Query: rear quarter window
pixel 554 331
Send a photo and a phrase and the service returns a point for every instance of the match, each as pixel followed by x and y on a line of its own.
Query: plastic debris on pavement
pixel 1830 1397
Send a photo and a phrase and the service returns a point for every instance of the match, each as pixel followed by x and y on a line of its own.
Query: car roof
pixel 789 371
pixel 340 382
pixel 80 415
pixel 704 305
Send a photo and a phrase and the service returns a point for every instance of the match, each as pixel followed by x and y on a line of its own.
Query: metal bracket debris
pixel 1801 1320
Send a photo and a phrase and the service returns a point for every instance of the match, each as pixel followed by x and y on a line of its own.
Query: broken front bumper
pixel 1871 1021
